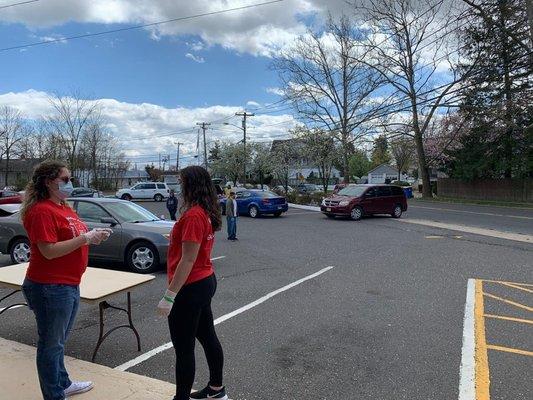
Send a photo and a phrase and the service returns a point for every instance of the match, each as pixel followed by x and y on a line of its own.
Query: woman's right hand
pixel 96 236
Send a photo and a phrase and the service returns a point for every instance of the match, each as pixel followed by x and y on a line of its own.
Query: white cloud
pixel 259 30
pixel 197 59
pixel 252 103
pixel 275 90
pixel 147 129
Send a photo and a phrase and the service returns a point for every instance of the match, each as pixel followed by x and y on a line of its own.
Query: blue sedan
pixel 257 202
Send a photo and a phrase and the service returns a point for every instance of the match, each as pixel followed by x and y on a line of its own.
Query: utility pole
pixel 178 157
pixel 204 126
pixel 244 115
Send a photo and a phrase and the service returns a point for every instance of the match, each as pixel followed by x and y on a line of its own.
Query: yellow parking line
pixel 513 303
pixel 510 350
pixel 512 283
pixel 516 287
pixel 525 321
pixel 482 362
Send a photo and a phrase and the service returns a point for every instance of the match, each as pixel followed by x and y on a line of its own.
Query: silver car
pixel 139 239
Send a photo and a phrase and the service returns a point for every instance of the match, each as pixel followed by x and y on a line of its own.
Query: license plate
pixel 328 209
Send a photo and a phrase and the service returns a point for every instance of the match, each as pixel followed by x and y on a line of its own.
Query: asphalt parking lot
pixel 385 322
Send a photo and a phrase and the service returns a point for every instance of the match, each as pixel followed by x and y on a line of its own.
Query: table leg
pixel 102 336
pixel 11 305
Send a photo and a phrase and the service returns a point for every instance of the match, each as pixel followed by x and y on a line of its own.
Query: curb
pixel 302 207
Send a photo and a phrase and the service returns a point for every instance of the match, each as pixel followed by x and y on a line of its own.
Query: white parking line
pixel 467 375
pixel 166 346
pixel 218 258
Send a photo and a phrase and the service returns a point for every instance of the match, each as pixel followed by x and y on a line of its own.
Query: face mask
pixel 65 189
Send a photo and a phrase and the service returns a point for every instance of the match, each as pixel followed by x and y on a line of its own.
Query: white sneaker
pixel 77 388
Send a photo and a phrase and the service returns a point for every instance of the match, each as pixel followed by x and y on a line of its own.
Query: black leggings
pixel 191 317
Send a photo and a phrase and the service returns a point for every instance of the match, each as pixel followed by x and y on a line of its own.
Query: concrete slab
pixel 18 378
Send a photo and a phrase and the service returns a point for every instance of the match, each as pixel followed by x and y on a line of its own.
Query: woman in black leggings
pixel 192 284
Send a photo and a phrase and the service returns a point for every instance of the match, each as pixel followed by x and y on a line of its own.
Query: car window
pixel 397 191
pixel 372 192
pixel 354 191
pixel 267 195
pixel 161 186
pixel 91 212
pixel 384 191
pixel 130 212
pixel 149 186
pixel 138 187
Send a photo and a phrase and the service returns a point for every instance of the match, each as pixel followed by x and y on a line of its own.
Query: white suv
pixel 145 190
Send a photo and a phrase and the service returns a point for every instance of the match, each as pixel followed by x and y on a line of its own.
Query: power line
pixel 129 28
pixel 18 4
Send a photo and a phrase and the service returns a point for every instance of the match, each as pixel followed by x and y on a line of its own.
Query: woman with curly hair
pixel 192 284
pixel 58 258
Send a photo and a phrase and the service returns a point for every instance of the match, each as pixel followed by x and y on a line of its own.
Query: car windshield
pixel 352 191
pixel 266 195
pixel 130 212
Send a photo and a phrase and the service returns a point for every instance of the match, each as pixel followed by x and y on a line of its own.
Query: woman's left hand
pixel 165 304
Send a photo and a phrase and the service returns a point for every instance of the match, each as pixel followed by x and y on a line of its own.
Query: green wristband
pixel 169 299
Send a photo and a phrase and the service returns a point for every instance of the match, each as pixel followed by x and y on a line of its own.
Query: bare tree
pixel 73 116
pixel 402 150
pixel 283 156
pixel 329 86
pixel 12 133
pixel 320 149
pixel 409 44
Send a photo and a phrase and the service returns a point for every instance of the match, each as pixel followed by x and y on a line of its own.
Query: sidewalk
pixel 18 378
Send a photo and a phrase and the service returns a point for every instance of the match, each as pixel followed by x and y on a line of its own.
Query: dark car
pixel 139 239
pixel 257 202
pixel 306 188
pixel 86 192
pixel 10 197
pixel 354 201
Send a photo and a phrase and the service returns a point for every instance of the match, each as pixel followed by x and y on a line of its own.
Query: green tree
pixel 497 57
pixel 359 164
pixel 380 152
pixel 155 173
pixel 262 162
pixel 231 159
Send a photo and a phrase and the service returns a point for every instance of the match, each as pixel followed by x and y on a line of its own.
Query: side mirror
pixel 109 220
pixel 162 217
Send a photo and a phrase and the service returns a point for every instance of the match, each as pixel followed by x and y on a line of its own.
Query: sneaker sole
pixel 79 391
pixel 214 398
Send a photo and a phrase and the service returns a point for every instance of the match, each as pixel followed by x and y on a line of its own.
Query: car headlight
pixel 344 203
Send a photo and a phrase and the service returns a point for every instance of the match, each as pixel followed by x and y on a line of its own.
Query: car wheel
pixel 397 212
pixel 143 258
pixel 277 214
pixel 20 251
pixel 158 197
pixel 126 197
pixel 253 211
pixel 357 213
pixel 330 216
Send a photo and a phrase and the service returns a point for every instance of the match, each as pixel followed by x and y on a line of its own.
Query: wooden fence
pixel 513 190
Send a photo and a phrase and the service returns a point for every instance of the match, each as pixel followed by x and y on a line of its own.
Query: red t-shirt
pixel 193 226
pixel 49 222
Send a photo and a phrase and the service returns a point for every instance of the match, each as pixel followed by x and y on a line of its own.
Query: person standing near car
pixel 172 205
pixel 58 258
pixel 192 284
pixel 231 216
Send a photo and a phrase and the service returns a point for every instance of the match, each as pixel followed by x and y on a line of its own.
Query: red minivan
pixel 354 201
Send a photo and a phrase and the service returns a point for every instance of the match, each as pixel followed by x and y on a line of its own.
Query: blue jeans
pixel 55 308
pixel 232 227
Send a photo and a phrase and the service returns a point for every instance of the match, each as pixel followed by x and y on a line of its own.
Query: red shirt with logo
pixel 50 222
pixel 193 226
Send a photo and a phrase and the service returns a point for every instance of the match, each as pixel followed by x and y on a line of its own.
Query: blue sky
pixel 132 67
